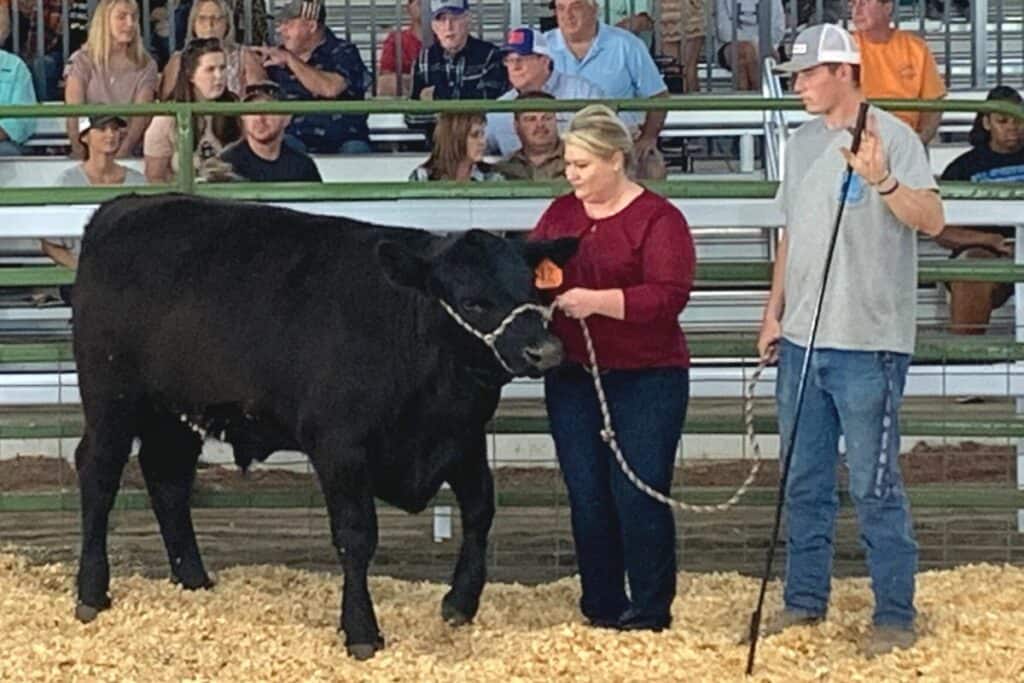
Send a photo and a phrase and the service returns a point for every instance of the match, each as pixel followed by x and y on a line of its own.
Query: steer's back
pixel 201 301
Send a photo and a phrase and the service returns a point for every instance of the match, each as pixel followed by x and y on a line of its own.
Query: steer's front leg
pixel 347 488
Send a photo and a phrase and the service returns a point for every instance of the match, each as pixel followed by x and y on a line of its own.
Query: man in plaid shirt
pixel 457 66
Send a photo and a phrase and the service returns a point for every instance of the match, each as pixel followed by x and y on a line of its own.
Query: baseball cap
pixel 821 44
pixel 261 90
pixel 526 41
pixel 454 6
pixel 303 9
pixel 87 122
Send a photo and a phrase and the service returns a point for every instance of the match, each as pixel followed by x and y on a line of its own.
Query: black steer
pixel 279 330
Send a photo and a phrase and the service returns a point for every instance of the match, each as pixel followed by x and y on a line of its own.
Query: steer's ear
pixel 559 250
pixel 402 267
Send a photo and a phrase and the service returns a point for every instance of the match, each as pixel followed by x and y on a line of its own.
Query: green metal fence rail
pixel 184 111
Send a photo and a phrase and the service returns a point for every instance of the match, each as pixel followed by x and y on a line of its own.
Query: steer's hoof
pixel 363 651
pixel 451 614
pixel 201 583
pixel 86 613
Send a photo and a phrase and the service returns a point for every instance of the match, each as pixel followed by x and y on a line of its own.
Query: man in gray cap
pixel 314 64
pixel 457 66
pixel 865 336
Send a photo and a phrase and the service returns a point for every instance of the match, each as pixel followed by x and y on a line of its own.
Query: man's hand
pixel 642 145
pixel 272 56
pixel 768 340
pixel 427 93
pixel 869 162
pixel 578 302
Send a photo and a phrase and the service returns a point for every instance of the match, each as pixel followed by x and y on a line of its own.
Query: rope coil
pixel 608 435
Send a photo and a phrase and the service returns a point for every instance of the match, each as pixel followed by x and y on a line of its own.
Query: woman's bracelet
pixel 886 193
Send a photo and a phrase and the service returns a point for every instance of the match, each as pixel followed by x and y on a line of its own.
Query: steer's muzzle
pixel 545 355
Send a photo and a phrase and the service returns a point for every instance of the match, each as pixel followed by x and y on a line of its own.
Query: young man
pixel 541 153
pixel 314 64
pixel 261 155
pixel 457 66
pixel 896 64
pixel 865 337
pixel 528 60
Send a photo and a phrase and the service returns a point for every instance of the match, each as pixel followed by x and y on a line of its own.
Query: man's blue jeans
pixel 618 530
pixel 856 394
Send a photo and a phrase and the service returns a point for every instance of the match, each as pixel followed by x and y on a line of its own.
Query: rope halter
pixel 490 339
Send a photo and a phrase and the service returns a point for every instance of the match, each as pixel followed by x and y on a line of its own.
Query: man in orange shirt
pixel 896 64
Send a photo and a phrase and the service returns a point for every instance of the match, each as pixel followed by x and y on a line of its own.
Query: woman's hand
pixel 582 303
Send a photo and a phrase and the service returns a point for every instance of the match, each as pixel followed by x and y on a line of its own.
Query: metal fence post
pixel 186 171
pixel 979 43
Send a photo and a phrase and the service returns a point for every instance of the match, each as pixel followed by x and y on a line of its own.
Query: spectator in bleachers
pixel 458 151
pixel 46 66
pixel 630 280
pixel 111 68
pixel 739 48
pixel 896 64
pixel 202 79
pixel 212 19
pixel 261 155
pixel 528 61
pixel 635 16
pixel 15 88
pixel 101 139
pixel 410 40
pixel 314 64
pixel 996 155
pixel 258 15
pixel 683 28
pixel 541 154
pixel 457 66
pixel 611 57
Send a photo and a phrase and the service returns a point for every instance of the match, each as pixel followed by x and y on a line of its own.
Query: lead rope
pixel 608 435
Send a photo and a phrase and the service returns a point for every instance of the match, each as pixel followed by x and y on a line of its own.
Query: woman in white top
pixel 100 137
pixel 214 19
pixel 203 78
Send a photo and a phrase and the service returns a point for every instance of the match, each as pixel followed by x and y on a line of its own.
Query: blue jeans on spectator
pixel 46 73
pixel 856 394
pixel 618 530
pixel 9 148
pixel 347 147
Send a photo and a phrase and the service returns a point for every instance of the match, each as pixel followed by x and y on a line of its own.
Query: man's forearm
pixel 929 125
pixel 776 299
pixel 920 209
pixel 322 84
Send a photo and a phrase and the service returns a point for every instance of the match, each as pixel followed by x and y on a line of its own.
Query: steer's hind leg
pixel 347 487
pixel 473 486
pixel 168 456
pixel 100 459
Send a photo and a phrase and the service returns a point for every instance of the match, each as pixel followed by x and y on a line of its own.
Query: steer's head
pixel 484 279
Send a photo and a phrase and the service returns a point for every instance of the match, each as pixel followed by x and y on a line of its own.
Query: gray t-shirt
pixel 869 304
pixel 75 177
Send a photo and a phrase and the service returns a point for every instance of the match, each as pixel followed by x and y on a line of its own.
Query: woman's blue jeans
pixel 856 394
pixel 620 533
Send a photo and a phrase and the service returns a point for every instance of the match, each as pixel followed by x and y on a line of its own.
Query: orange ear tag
pixel 547 275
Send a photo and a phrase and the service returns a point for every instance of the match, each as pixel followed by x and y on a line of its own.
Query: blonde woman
pixel 111 68
pixel 630 279
pixel 213 19
pixel 458 151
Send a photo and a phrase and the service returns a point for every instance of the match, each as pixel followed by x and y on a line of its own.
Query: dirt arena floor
pixel 272 623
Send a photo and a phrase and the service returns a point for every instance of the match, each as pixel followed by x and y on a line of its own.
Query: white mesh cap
pixel 821 44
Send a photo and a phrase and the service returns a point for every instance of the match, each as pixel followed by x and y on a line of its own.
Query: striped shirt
pixel 475 72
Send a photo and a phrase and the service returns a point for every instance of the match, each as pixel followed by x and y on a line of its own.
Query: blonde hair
pixel 228 39
pixel 449 148
pixel 597 130
pixel 99 43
